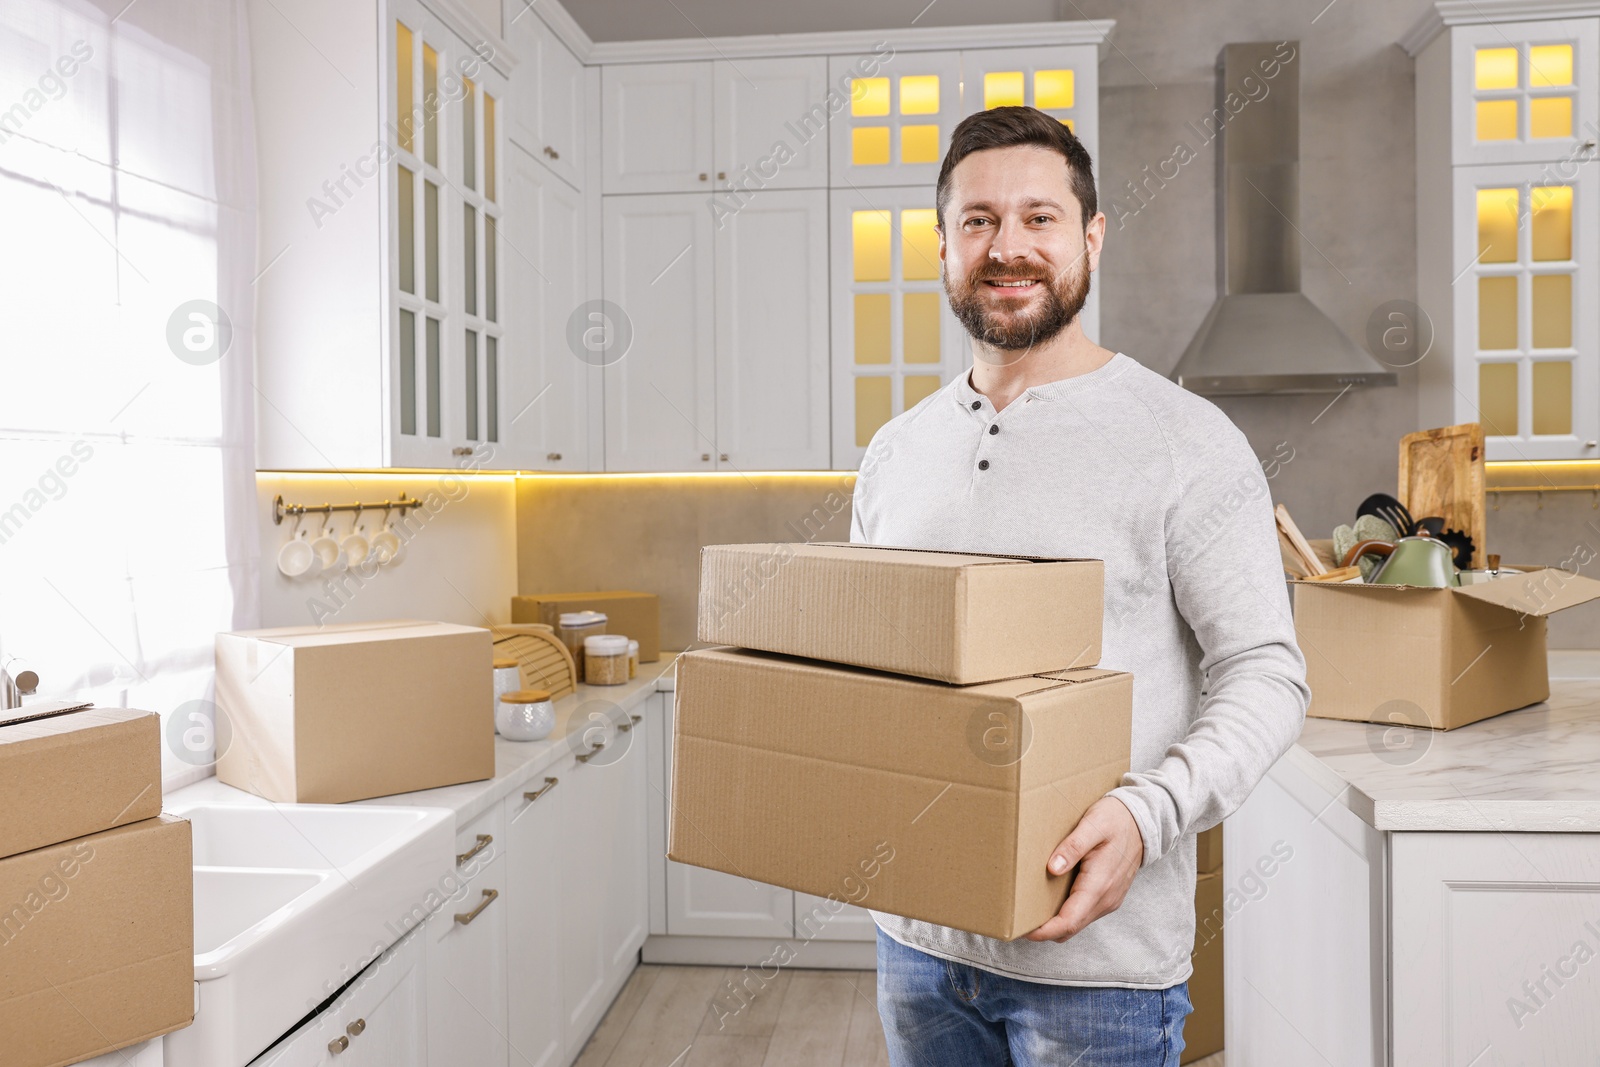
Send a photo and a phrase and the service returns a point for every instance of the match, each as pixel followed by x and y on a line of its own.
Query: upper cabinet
pixel 895 126
pixel 656 119
pixel 1524 92
pixel 548 95
pixel 1062 82
pixel 771 123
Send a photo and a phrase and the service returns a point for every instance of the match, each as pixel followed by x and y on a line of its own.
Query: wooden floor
pixel 664 1017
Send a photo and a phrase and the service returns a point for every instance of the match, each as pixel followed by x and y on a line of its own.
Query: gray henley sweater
pixel 1122 465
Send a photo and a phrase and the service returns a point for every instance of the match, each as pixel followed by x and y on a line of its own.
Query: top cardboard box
pixel 1440 658
pixel 76 773
pixel 957 617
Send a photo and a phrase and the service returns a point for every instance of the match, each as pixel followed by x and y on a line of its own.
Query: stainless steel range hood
pixel 1263 336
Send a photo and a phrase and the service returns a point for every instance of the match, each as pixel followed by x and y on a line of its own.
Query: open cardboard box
pixel 1441 658
pixel 931 801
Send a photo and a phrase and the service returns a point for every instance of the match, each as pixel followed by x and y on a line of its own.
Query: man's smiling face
pixel 1016 255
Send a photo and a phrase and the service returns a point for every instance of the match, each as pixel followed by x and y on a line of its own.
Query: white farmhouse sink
pixel 290 901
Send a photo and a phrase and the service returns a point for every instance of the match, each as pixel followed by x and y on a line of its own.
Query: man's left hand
pixel 1108 843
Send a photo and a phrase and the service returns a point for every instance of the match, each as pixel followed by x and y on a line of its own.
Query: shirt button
pixel 976 404
pixel 994 428
pixel 983 464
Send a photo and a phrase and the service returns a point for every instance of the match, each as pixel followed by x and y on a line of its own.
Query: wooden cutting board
pixel 1441 473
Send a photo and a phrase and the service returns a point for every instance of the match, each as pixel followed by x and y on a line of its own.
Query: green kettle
pixel 1421 561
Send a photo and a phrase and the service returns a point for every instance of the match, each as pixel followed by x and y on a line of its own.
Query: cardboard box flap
pixel 1537 592
pixel 45 710
pixel 942 557
pixel 1083 674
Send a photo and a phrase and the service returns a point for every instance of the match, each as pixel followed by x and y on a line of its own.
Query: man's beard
pixel 1061 300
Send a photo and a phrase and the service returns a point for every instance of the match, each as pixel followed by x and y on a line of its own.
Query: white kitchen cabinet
pixel 621 811
pixel 378 1021
pixel 1523 92
pixel 660 392
pixel 771 125
pixel 772 333
pixel 535 984
pixel 550 394
pixel 144 1054
pixel 820 919
pixel 657 128
pixel 547 116
pixel 466 948
pixel 1063 81
pixel 896 126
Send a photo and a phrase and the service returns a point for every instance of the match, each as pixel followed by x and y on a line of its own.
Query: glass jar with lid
pixel 605 659
pixel 573 626
pixel 525 715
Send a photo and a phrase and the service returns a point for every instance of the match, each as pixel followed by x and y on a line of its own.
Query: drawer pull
pixel 549 784
pixel 624 727
pixel 585 757
pixel 466 917
pixel 636 718
pixel 483 843
pixel 357 1028
pixel 338 1044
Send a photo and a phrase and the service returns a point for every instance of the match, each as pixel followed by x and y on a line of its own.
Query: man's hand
pixel 1111 849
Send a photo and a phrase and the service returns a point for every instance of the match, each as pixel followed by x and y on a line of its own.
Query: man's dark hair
pixel 1003 127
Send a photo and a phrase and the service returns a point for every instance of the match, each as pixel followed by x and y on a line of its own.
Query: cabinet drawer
pixel 480 841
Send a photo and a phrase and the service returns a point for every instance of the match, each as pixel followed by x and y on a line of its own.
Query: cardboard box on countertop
pixel 1440 658
pixel 637 615
pixel 1202 1030
pixel 957 617
pixel 932 801
pixel 96 943
pixel 74 773
pixel 337 713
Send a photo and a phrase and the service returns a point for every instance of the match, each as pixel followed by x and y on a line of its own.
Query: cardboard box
pixel 638 615
pixel 925 800
pixel 953 617
pixel 336 713
pixel 1440 658
pixel 1202 1030
pixel 96 943
pixel 1208 850
pixel 79 772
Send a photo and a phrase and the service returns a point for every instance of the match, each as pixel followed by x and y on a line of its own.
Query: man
pixel 1054 446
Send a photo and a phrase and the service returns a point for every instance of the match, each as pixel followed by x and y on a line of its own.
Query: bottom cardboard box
pixel 932 801
pixel 96 943
pixel 1202 1030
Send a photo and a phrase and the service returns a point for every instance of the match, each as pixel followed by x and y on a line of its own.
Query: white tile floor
pixel 664 1018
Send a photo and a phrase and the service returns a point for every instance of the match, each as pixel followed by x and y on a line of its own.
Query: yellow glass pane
pixel 1549 64
pixel 1002 88
pixel 1550 116
pixel 869 146
pixel 1497 225
pixel 1068 124
pixel 1552 222
pixel 869 96
pixel 1552 311
pixel 918 387
pixel 1497 120
pixel 919 244
pixel 1496 68
pixel 430 105
pixel 1552 397
pixel 919 94
pixel 872 407
pixel 919 144
pixel 869 233
pixel 403 85
pixel 872 327
pixel 1497 398
pixel 920 328
pixel 1053 89
pixel 1497 313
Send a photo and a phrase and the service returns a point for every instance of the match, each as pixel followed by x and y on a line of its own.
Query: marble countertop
pixel 1532 770
pixel 515 762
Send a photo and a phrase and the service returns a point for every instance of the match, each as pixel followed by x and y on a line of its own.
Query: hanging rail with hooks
pixel 280 509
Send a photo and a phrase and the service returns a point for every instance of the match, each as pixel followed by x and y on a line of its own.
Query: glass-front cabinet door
pixel 1524 91
pixel 896 125
pixel 1527 310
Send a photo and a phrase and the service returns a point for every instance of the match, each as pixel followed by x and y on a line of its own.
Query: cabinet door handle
pixel 338 1044
pixel 722 456
pixel 636 718
pixel 624 727
pixel 483 843
pixel 489 896
pixel 553 457
pixel 551 152
pixel 585 757
pixel 357 1028
pixel 702 177
pixel 705 457
pixel 722 175
pixel 549 784
pixel 461 451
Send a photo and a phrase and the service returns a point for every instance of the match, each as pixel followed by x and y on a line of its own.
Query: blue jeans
pixel 941 1014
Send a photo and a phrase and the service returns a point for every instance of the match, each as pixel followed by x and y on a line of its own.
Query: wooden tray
pixel 1441 473
pixel 543 659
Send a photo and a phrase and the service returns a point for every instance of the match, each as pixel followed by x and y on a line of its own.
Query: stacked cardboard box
pixel 1202 1030
pixel 910 731
pixel 96 889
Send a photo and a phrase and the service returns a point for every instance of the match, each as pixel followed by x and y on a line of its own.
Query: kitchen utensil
pixel 354 545
pixel 1338 574
pixel 525 715
pixel 386 543
pixel 545 661
pixel 1442 473
pixel 1418 560
pixel 296 557
pixel 1356 552
pixel 1390 511
pixel 1433 526
pixel 326 547
pixel 1302 552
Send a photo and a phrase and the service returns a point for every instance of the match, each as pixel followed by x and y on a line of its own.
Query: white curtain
pixel 127 214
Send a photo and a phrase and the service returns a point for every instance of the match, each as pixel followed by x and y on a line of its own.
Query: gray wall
pixel 1358 194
